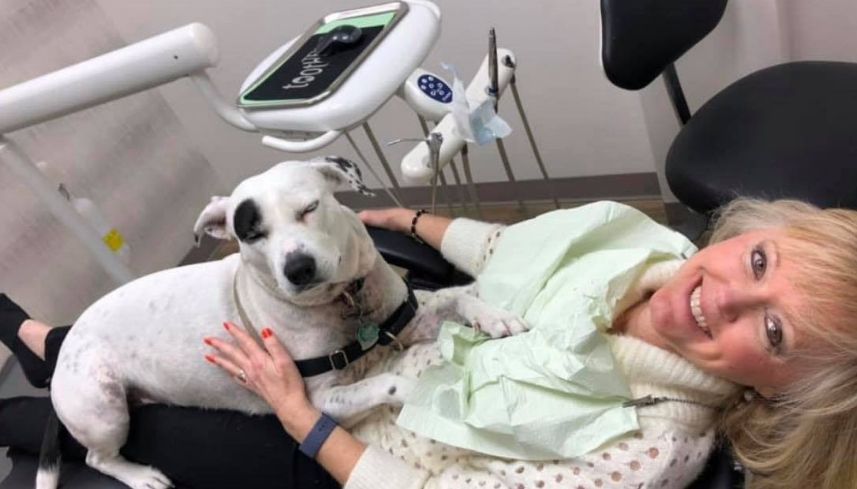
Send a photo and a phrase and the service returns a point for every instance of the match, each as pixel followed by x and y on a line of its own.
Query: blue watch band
pixel 317 436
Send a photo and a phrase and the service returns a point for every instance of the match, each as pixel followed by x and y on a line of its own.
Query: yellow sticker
pixel 113 240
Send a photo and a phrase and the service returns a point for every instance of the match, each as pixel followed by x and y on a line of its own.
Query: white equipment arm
pixel 140 66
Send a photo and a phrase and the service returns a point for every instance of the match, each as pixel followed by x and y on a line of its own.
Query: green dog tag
pixel 367 335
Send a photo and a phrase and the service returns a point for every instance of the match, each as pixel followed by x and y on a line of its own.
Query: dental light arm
pixel 140 66
pixel 225 110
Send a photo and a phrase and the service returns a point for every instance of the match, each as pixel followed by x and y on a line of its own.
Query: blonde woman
pixel 754 336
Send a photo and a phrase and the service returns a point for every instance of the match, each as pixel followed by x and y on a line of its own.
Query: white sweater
pixel 669 450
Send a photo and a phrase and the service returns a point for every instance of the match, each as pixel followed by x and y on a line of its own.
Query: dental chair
pixel 785 131
pixel 426 269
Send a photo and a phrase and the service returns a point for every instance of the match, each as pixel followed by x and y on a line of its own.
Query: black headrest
pixel 642 37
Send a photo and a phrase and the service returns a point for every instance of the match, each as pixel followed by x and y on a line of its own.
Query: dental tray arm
pixel 301 146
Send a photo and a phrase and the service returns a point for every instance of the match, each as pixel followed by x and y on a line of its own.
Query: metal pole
pixel 438 171
pixel 532 139
pixel 434 142
pixel 493 70
pixel 465 162
pixel 445 187
pixel 382 157
pixel 17 160
pixel 504 157
pixel 459 186
pixel 494 91
pixel 372 170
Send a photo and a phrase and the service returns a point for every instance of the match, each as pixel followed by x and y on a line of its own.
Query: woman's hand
pixel 394 219
pixel 270 373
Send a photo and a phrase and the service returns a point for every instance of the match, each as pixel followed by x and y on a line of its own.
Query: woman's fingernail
pixel 209 358
pixel 267 333
pixel 208 342
pixel 226 325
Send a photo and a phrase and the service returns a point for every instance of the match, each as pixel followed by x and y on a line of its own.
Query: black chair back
pixel 641 38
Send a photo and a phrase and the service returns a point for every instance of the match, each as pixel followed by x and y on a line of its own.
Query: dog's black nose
pixel 300 268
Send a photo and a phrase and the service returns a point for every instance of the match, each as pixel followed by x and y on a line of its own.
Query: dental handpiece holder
pixel 417 165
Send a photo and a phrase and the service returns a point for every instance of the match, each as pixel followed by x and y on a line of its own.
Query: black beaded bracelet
pixel 414 224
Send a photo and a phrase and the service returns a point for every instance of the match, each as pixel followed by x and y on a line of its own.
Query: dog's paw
pixel 143 477
pixel 497 323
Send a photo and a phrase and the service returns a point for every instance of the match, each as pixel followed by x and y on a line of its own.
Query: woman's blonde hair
pixel 805 437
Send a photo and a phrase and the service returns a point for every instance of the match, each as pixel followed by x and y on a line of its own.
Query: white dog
pixel 306 268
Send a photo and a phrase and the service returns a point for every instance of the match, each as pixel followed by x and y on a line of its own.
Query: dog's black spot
pixel 352 173
pixel 247 221
pixel 346 166
pixel 392 390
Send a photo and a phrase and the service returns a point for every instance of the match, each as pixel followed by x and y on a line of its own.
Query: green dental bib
pixel 554 391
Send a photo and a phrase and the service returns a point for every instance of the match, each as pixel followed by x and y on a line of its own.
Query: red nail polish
pixel 209 358
pixel 226 325
pixel 267 333
pixel 208 342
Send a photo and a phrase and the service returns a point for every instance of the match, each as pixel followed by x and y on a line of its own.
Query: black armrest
pixel 720 471
pixel 403 251
pixel 426 266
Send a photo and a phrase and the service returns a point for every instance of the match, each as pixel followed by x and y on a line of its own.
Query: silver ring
pixel 242 377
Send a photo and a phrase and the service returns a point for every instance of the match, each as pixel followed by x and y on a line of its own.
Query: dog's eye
pixel 253 235
pixel 306 210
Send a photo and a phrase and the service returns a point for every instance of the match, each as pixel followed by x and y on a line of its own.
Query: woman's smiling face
pixel 730 311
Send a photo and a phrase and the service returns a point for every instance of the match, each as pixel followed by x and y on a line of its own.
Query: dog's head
pixel 291 230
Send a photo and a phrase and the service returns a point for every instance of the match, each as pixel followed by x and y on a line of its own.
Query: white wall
pixel 584 125
pixel 821 29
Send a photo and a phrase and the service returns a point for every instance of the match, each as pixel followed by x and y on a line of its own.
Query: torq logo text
pixel 313 66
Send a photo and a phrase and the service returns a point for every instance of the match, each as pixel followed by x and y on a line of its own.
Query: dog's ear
pixel 212 220
pixel 341 171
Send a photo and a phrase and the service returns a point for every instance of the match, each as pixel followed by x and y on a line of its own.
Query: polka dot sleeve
pixel 665 460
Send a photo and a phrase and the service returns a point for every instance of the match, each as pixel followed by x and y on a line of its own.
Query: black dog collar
pixel 387 331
